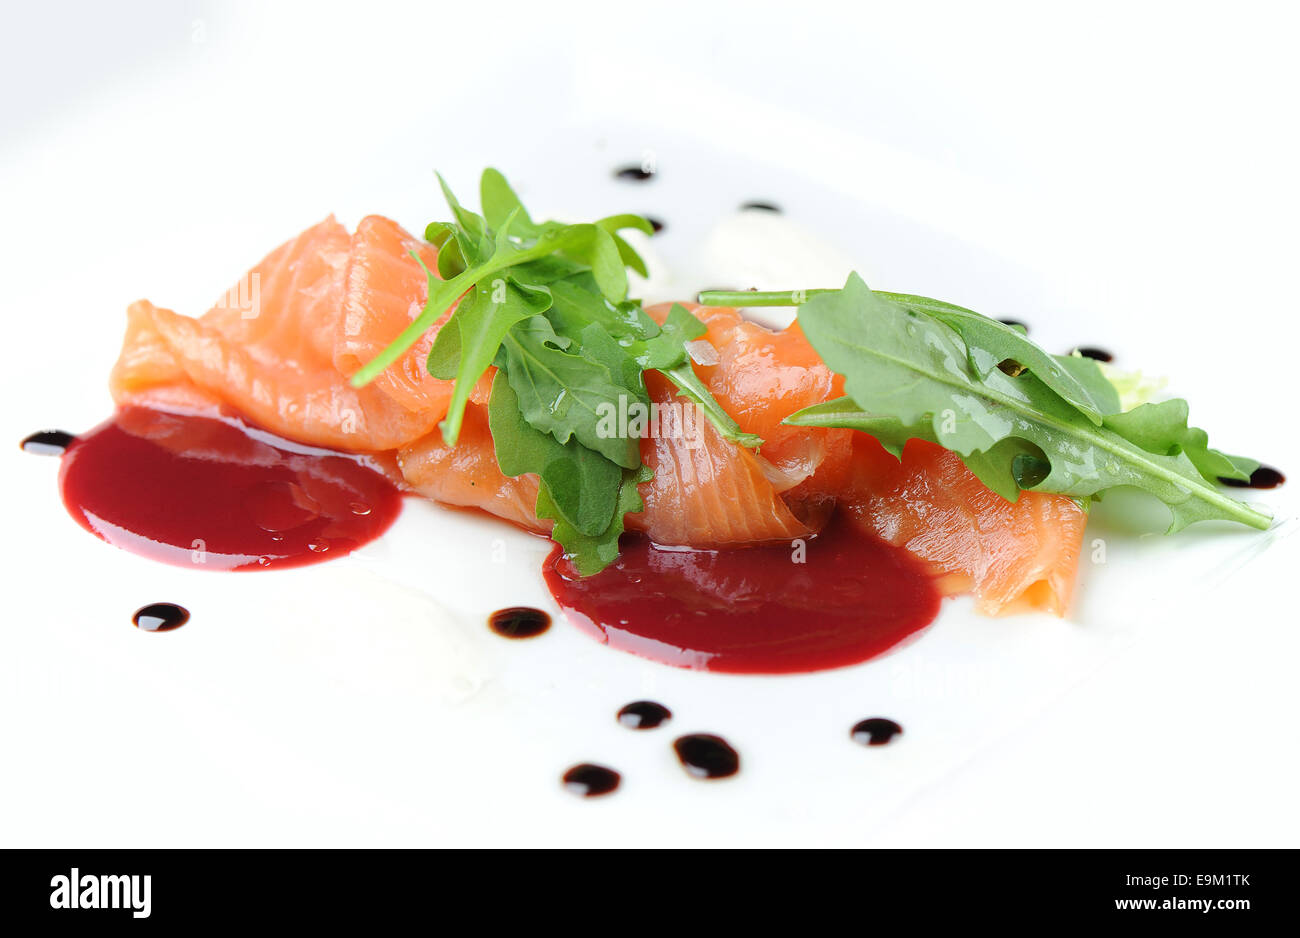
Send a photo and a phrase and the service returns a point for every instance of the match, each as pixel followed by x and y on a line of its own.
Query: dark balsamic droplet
pixel 519 622
pixel 1014 322
pixel 644 715
pixel 706 756
pixel 1096 354
pixel 655 224
pixel 761 207
pixel 875 732
pixel 1265 477
pixel 635 173
pixel 587 780
pixel 48 442
pixel 160 617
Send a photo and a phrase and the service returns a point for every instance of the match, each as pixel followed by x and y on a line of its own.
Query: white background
pixel 1123 174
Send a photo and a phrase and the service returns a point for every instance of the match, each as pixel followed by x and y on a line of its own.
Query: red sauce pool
pixel 206 492
pixel 754 610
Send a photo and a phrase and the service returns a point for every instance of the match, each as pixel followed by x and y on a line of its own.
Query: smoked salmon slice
pixel 760 378
pixel 384 290
pixel 467 475
pixel 706 490
pixel 1013 556
pixel 279 349
pixel 268 350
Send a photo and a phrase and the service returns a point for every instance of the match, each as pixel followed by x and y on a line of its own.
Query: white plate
pixel 365 702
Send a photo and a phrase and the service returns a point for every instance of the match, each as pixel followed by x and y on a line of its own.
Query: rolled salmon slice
pixel 1013 556
pixel 384 291
pixel 706 491
pixel 760 377
pixel 268 350
pixel 467 475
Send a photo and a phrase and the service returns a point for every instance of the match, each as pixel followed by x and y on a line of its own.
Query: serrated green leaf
pixel 989 343
pixel 900 362
pixel 627 254
pixel 607 266
pixel 596 344
pixel 996 468
pixel 1162 428
pixel 481 323
pixel 499 201
pixel 1088 372
pixel 667 350
pixel 591 553
pixel 581 486
pixel 473 228
pixel 692 388
pixel 565 394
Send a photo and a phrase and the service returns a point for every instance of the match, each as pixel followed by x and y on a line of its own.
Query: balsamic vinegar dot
pixel 160 617
pixel 644 715
pixel 48 442
pixel 519 622
pixel 587 780
pixel 1265 477
pixel 637 173
pixel 655 224
pixel 704 755
pixel 1096 354
pixel 876 731
pixel 760 207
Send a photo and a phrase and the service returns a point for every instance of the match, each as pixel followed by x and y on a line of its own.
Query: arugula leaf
pixel 599 346
pixel 651 347
pixel 692 388
pixel 1088 372
pixel 988 342
pixel 1162 428
pixel 561 393
pixel 900 362
pixel 667 349
pixel 474 334
pixel 578 305
pixel 581 486
pixel 472 233
pixel 443 293
pixel 607 266
pixel 629 256
pixel 591 553
pixel 1010 465
pixel 499 201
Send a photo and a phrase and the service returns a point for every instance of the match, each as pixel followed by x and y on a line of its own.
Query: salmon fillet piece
pixel 270 354
pixel 707 491
pixel 1014 557
pixel 467 475
pixel 384 291
pixel 761 377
